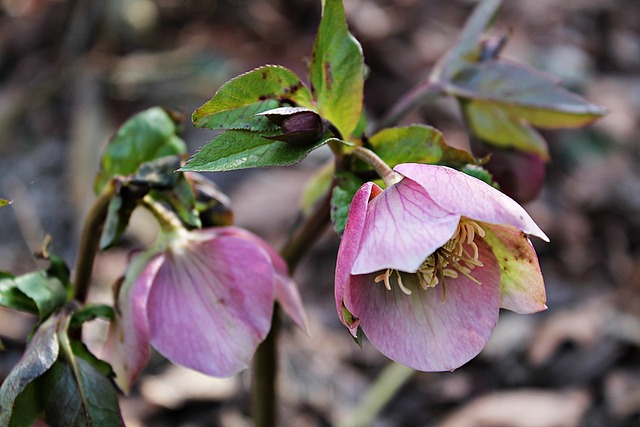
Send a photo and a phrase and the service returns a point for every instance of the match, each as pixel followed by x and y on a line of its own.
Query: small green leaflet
pixel 347 184
pixel 148 135
pixel 417 144
pixel 497 126
pixel 337 70
pixel 32 292
pixel 237 103
pixel 236 149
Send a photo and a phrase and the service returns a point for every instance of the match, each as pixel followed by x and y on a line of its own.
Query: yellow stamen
pixel 450 260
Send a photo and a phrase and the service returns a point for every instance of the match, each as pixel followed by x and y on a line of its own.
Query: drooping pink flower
pixel 425 265
pixel 204 301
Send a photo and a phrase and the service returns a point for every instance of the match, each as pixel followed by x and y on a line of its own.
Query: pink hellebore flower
pixel 204 301
pixel 425 265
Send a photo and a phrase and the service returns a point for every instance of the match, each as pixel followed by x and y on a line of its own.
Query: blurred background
pixel 72 71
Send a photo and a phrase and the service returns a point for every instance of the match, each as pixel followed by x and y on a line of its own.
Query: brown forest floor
pixel 72 71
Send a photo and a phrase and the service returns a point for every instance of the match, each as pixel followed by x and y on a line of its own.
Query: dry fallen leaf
pixel 522 408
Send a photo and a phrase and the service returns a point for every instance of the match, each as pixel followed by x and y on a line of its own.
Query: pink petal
pixel 403 226
pixel 350 242
pixel 423 330
pixel 211 304
pixel 460 193
pixel 287 293
pixel 521 283
pixel 127 345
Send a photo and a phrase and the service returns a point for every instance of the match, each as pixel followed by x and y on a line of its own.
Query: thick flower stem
pixel 265 361
pixel 265 372
pixel 89 242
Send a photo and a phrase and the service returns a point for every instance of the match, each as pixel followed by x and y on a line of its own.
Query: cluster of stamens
pixel 458 256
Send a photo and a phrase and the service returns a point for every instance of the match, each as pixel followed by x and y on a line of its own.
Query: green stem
pixel 89 242
pixel 421 94
pixel 390 381
pixel 382 169
pixel 265 361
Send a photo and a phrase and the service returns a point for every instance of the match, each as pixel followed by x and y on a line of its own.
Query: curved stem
pixel 89 242
pixel 382 169
pixel 424 92
pixel 265 361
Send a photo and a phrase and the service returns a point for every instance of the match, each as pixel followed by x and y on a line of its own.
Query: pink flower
pixel 425 265
pixel 204 301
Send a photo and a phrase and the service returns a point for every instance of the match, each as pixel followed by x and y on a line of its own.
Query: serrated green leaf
pixel 236 104
pixel 39 356
pixel 525 93
pixel 347 184
pixel 417 144
pixel 48 293
pixel 495 125
pixel 236 149
pixel 337 70
pixel 148 135
pixel 467 48
pixel 78 395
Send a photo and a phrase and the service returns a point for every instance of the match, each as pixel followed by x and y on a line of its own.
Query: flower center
pixel 458 256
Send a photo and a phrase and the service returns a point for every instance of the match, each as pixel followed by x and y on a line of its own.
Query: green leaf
pixel 48 293
pixel 5 202
pixel 524 93
pixel 81 351
pixel 347 184
pixel 78 395
pixel 90 312
pixel 417 144
pixel 148 135
pixel 237 149
pixel 118 215
pixel 337 70
pixel 497 126
pixel 182 201
pixel 12 297
pixel 467 49
pixel 39 356
pixel 480 173
pixel 236 103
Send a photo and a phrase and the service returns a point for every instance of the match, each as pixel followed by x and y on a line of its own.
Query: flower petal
pixel 424 330
pixel 460 193
pixel 521 283
pixel 350 242
pixel 211 304
pixel 287 293
pixel 127 345
pixel 403 226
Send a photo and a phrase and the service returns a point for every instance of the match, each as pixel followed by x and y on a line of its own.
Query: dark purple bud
pixel 301 126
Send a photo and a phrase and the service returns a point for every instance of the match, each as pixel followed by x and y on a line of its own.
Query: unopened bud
pixel 301 126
